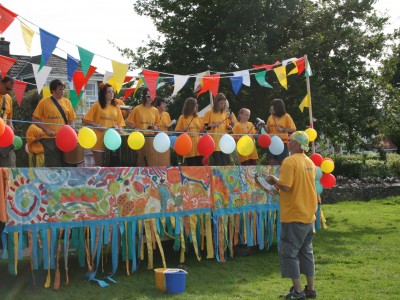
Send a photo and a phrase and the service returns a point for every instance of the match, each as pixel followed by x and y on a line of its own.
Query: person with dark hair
pixel 103 114
pixel 217 122
pixel 165 118
pixel 7 154
pixel 191 123
pixel 281 124
pixel 51 114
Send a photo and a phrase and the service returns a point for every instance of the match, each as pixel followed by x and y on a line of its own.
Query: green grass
pixel 357 257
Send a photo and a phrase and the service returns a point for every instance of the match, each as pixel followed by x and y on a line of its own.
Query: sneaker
pixel 311 294
pixel 294 295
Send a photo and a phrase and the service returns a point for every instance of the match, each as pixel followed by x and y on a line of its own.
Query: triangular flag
pixel 46 92
pixel 308 72
pixel 281 75
pixel 268 67
pixel 198 84
pixel 138 84
pixel 79 80
pixel 179 83
pixel 73 97
pixel 260 77
pixel 237 82
pixel 300 63
pixel 5 64
pixel 19 90
pixel 111 81
pixel 295 70
pixel 210 83
pixel 128 92
pixel 306 102
pixel 151 78
pixel 120 71
pixel 89 74
pixel 245 75
pixel 40 76
pixel 128 78
pixel 72 64
pixel 86 59
pixel 27 34
pixel 107 76
pixel 48 43
pixel 6 18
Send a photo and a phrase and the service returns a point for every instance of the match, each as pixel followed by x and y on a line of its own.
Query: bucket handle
pixel 174 271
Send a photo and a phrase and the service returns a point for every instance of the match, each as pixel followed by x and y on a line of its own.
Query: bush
pixel 393 164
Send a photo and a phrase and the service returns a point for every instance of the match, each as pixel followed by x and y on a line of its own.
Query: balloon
pixel 276 146
pixel 17 142
pixel 136 140
pixel 7 138
pixel 87 138
pixel 264 140
pixel 172 139
pixel 328 180
pixel 319 187
pixel 112 139
pixel 227 144
pixel 161 142
pixel 312 134
pixel 205 161
pixel 206 145
pixel 318 174
pixel 66 139
pixel 26 148
pixel 317 159
pixel 245 145
pixel 263 131
pixel 183 144
pixel 2 126
pixel 327 166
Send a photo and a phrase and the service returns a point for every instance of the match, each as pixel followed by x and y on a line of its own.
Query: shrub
pixel 393 164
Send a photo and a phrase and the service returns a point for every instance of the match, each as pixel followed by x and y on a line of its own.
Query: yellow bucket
pixel 160 279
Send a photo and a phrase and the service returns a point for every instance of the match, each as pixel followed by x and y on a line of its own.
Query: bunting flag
pixel 128 78
pixel 237 82
pixel 120 71
pixel 74 98
pixel 179 83
pixel 198 84
pixel 300 63
pixel 40 76
pixel 27 34
pixel 210 83
pixel 107 76
pixel 281 75
pixel 246 76
pixel 89 74
pixel 19 90
pixel 306 102
pixel 260 77
pixel 293 61
pixel 268 67
pixel 79 80
pixel 138 85
pixel 72 64
pixel 48 43
pixel 6 18
pixel 128 92
pixel 5 64
pixel 151 78
pixel 308 72
pixel 46 92
pixel 86 59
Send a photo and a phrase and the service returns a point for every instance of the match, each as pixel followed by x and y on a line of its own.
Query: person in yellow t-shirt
pixel 36 151
pixel 244 127
pixel 103 114
pixel 125 112
pixel 298 205
pixel 217 123
pixel 7 154
pixel 281 124
pixel 165 118
pixel 191 123
pixel 49 119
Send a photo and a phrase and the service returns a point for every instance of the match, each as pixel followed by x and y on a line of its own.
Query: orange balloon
pixel 2 126
pixel 183 144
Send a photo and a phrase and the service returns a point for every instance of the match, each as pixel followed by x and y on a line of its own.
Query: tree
pixel 339 37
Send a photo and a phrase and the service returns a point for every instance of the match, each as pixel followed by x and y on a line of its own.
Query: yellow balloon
pixel 327 166
pixel 311 133
pixel 87 138
pixel 136 140
pixel 245 145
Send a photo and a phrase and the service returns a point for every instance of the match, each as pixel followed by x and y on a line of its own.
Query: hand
pixel 271 179
pixel 50 132
pixel 281 129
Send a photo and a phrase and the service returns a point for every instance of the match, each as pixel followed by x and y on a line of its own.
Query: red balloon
pixel 317 159
pixel 183 144
pixel 205 161
pixel 264 140
pixel 2 126
pixel 206 145
pixel 328 180
pixel 7 138
pixel 66 139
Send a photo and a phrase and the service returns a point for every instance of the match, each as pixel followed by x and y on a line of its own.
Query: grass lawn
pixel 357 257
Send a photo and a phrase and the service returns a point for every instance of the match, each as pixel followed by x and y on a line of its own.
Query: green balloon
pixel 17 142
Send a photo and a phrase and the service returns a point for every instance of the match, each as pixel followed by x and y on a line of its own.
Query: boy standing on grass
pixel 298 204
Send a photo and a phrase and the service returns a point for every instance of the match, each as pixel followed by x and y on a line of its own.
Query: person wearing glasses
pixel 7 154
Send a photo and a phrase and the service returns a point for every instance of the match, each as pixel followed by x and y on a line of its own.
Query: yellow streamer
pixel 159 242
pixel 48 278
pixel 183 243
pixel 16 243
pixel 193 226
pixel 210 248
pixel 126 249
pixel 147 231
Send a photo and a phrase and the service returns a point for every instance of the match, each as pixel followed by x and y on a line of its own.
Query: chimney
pixel 4 47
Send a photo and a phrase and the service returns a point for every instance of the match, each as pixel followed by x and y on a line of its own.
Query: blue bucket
pixel 175 280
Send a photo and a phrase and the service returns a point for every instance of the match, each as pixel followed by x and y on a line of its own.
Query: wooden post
pixel 310 107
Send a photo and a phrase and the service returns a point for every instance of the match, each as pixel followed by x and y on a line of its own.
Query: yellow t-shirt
pixel 245 128
pixel 143 117
pixel 8 113
pixel 219 117
pixel 47 112
pixel 193 126
pixel 32 133
pixel 300 203
pixel 108 117
pixel 285 121
pixel 165 120
pixel 124 112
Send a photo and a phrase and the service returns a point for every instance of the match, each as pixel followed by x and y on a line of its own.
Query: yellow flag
pixel 27 34
pixel 294 70
pixel 138 84
pixel 306 102
pixel 111 81
pixel 281 75
pixel 120 71
pixel 46 92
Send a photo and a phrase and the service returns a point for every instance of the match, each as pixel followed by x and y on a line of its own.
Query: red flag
pixel 6 18
pixel 89 74
pixel 151 78
pixel 19 90
pixel 268 67
pixel 128 92
pixel 128 78
pixel 210 83
pixel 300 63
pixel 79 80
pixel 5 64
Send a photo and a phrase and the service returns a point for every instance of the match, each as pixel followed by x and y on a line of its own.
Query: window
pixel 91 93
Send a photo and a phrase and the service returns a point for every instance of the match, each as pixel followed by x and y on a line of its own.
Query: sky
pixel 91 23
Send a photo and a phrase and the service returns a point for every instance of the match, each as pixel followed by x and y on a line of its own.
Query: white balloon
pixel 276 146
pixel 161 142
pixel 227 144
